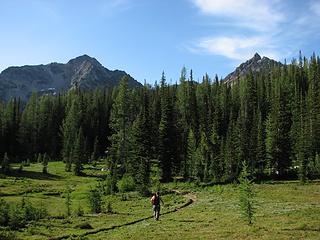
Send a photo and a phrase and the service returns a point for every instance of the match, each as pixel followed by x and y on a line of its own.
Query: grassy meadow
pixel 283 210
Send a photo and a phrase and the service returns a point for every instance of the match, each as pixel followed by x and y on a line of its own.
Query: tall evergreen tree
pixel 166 133
pixel 77 155
pixel 119 160
pixel 70 127
pixel 28 130
pixel 188 167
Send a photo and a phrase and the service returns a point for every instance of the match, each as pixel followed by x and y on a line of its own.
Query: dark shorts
pixel 156 207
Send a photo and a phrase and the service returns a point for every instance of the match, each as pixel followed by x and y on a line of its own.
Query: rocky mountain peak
pixel 254 64
pixel 83 71
pixel 256 56
pixel 84 59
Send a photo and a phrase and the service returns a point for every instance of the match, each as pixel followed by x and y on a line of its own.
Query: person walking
pixel 155 201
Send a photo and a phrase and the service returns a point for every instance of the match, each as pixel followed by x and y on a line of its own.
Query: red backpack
pixel 155 200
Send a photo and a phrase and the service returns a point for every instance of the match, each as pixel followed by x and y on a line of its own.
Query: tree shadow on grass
pixel 187 220
pixel 91 175
pixel 34 175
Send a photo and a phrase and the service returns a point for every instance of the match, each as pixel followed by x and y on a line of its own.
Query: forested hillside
pixel 195 131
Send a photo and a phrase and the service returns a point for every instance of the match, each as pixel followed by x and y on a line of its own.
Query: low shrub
pixel 4 213
pixel 126 184
pixel 109 208
pixel 17 216
pixel 79 211
pixel 32 213
pixel 95 200
pixel 7 235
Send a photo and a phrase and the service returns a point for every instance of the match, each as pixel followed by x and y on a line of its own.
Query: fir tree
pixel 70 128
pixel 166 134
pixel 45 164
pixel 94 155
pixel 28 130
pixel 5 165
pixel 78 153
pixel 68 201
pixel 120 125
pixel 190 156
pixel 141 142
pixel 246 195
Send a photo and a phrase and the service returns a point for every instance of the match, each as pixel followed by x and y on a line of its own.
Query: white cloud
pixel 260 15
pixel 258 20
pixel 274 28
pixel 236 48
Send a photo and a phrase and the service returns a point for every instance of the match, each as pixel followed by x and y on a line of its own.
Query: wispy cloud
pixel 259 15
pixel 238 48
pixel 266 26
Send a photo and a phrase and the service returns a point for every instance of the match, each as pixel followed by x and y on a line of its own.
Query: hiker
pixel 155 200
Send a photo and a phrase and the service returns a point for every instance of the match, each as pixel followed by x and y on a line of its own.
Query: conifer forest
pixel 192 130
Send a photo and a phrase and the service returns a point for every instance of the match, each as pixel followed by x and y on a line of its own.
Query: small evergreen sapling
pixel 45 164
pixel 95 200
pixel 68 201
pixel 79 211
pixel 302 168
pixel 4 213
pixel 109 208
pixel 246 195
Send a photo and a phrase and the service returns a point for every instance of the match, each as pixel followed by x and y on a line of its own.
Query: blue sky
pixel 146 37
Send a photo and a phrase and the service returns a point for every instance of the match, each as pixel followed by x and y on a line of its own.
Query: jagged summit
pixel 83 71
pixel 254 64
pixel 256 57
pixel 84 58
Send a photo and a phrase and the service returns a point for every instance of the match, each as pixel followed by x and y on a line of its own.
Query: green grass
pixel 285 210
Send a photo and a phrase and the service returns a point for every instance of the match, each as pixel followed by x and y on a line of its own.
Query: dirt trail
pixel 191 197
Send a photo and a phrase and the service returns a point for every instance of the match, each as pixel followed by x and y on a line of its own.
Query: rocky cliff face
pixel 84 71
pixel 255 64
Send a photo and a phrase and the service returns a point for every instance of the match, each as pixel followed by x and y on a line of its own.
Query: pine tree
pixel 141 146
pixel 261 147
pixel 193 118
pixel 166 134
pixel 94 155
pixel 190 156
pixel 184 115
pixel 44 124
pixel 231 155
pixel 45 161
pixel 68 201
pixel 10 126
pixel 70 128
pixel 215 170
pixel 203 163
pixel 5 165
pixel 28 130
pixel 246 195
pixel 120 125
pixel 269 145
pixel 314 99
pixel 78 153
pixel 282 148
